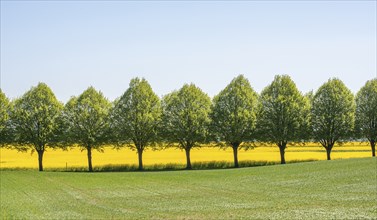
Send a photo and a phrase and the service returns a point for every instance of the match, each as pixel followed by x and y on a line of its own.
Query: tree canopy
pixel 136 116
pixel 34 120
pixel 233 115
pixel 185 118
pixel 283 114
pixel 4 118
pixel 86 122
pixel 332 114
pixel 366 113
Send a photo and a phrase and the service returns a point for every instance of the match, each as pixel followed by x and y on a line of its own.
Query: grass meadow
pixel 77 159
pixel 338 189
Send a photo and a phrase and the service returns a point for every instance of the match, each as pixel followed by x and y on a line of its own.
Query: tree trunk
pixel 140 156
pixel 373 145
pixel 235 154
pixel 282 153
pixel 188 166
pixel 40 159
pixel 90 159
pixel 328 152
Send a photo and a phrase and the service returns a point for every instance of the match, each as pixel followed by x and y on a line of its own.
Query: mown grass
pixel 315 190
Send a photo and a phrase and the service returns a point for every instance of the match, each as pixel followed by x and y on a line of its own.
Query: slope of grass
pixel 321 189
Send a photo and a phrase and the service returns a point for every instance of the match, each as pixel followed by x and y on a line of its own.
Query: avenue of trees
pixel 85 122
pixel 366 113
pixel 4 118
pixel 283 114
pixel 34 121
pixel 237 117
pixel 332 114
pixel 234 115
pixel 185 118
pixel 135 118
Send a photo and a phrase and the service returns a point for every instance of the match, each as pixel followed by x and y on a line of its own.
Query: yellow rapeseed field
pixel 76 158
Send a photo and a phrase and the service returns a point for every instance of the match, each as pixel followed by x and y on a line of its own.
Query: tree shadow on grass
pixel 208 165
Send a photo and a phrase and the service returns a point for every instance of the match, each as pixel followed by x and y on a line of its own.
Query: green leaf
pixel 332 113
pixel 85 120
pixel 136 116
pixel 366 111
pixel 185 117
pixel 33 118
pixel 233 115
pixel 283 113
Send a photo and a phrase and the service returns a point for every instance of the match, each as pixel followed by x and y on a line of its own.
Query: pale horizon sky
pixel 71 45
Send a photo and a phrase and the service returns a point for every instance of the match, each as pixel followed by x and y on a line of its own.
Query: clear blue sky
pixel 71 45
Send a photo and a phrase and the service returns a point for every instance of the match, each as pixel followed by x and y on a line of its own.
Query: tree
pixel 4 117
pixel 283 114
pixel 136 116
pixel 332 114
pixel 185 118
pixel 233 115
pixel 366 113
pixel 86 123
pixel 33 120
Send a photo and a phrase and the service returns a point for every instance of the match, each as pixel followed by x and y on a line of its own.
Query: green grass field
pixel 311 190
